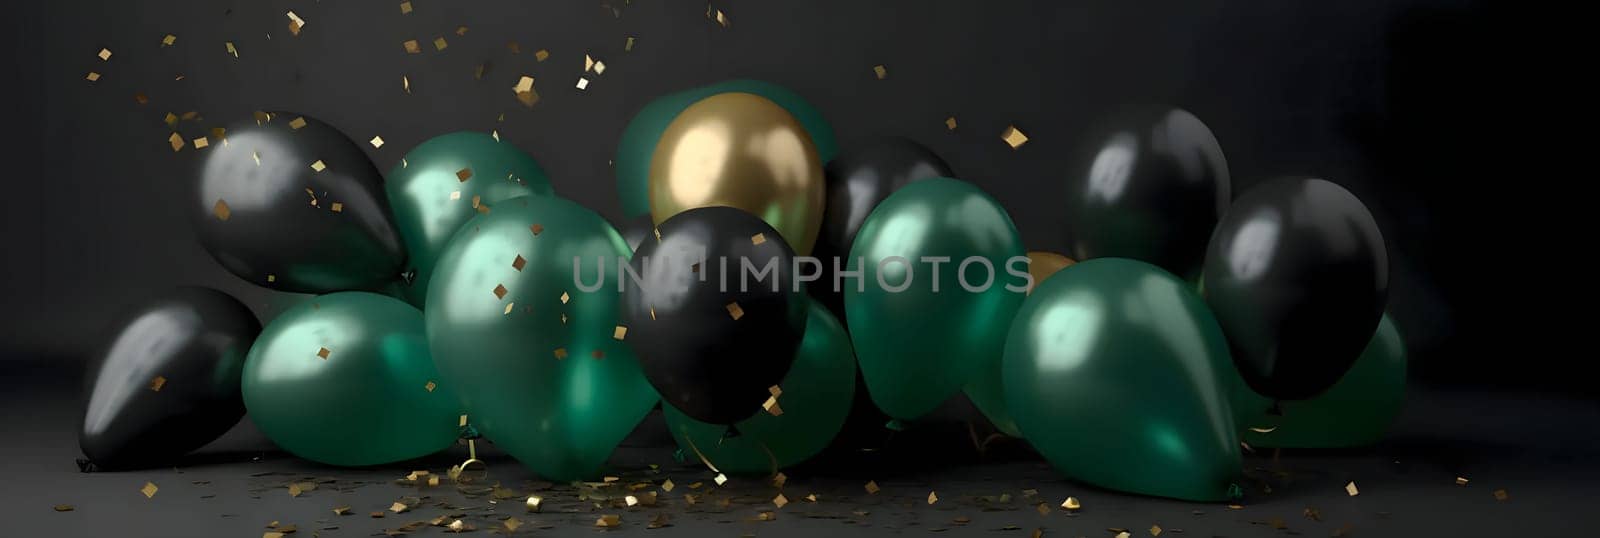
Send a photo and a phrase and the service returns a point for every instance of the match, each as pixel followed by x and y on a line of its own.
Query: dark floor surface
pixel 1540 449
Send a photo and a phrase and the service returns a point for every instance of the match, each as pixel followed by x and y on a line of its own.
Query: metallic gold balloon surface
pixel 744 151
pixel 1042 264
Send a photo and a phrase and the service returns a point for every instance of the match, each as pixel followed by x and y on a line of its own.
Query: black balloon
pixel 168 381
pixel 1151 188
pixel 856 181
pixel 1297 275
pixel 292 204
pixel 636 229
pixel 711 336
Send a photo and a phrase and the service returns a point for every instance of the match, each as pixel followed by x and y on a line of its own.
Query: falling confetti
pixel 405 83
pixel 619 333
pixel 561 353
pixel 525 92
pixel 64 508
pixel 720 479
pixel 758 239
pixel 341 510
pixel 231 49
pixel 881 71
pixel 439 43
pixel 201 143
pixel 221 210
pixel 1014 137
pixel 461 30
pixel 500 291
pixel 324 352
pixel 105 55
pixel 541 55
pixel 779 480
pixel 149 490
pixel 533 503
pixel 583 83
pixel 780 500
pixel 607 521
pixel 169 40
pixel 295 23
pixel 405 8
pixel 412 47
pixel 319 165
pixel 1501 495
pixel 176 141
pixel 1155 530
pixel 1351 489
pixel 734 311
pixel 512 523
pixel 157 383
pixel 297 123
pixel 950 123
pixel 565 297
pixel 377 142
pixel 1461 481
pixel 92 76
pixel 668 485
pixel 430 386
pixel 872 487
pixel 933 497
pixel 628 46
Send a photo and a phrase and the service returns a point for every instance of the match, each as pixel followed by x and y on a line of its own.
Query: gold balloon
pixel 740 150
pixel 1043 264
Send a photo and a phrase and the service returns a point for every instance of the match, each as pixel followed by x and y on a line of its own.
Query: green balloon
pixel 541 363
pixel 1113 371
pixel 345 379
pixel 1355 412
pixel 431 200
pixel 815 402
pixel 638 143
pixel 919 345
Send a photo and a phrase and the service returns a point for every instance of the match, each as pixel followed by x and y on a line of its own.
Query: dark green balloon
pixel 1355 412
pixel 1113 371
pixel 431 201
pixel 920 345
pixel 541 364
pixel 345 379
pixel 638 143
pixel 815 402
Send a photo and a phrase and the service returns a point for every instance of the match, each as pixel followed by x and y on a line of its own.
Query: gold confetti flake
pixel 149 490
pixel 780 500
pixel 950 123
pixel 872 487
pixel 377 142
pixel 881 71
pixel 337 207
pixel 257 156
pixel 1014 137
pixel 231 49
pixel 64 508
pixel 295 23
pixel 537 229
pixel 734 311
pixel 411 46
pixel 722 19
pixel 1155 530
pixel 541 55
pixel 459 526
pixel 652 313
pixel 628 46
pixel 169 40
pixel 220 209
pixel 455 195
pixel 405 83
pixel 1501 495
pixel 201 143
pixel 319 165
pixel 1461 481
pixel 272 278
pixel 430 386
pixel 512 523
pixel 583 83
pixel 496 135
pixel 105 55
pixel 439 43
pixel 561 353
pixel 758 239
pixel 463 422
pixel 509 307
pixel 399 507
pixel 630 500
pixel 219 133
pixel 1351 489
pixel 720 479
pixel 1071 504
pixel 92 76
pixel 588 63
pixel 514 47
pixel 599 68
pixel 1124 534
pixel 525 92
pixel 341 510
pixel 668 485
pixel 405 8
pixel 461 30
pixel 771 407
pixel 500 291
pixel 176 141
pixel 141 98
pixel 619 333
pixel 519 262
pixel 565 297
pixel 324 352
pixel 477 201
pixel 812 497
pixel 463 175
pixel 933 497
pixel 191 115
pixel 297 123
pixel 608 521
pixel 157 382
pixel 533 503
pixel 1044 509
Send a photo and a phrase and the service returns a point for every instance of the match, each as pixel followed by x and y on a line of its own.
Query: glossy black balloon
pixel 292 204
pixel 1297 275
pixel 1151 188
pixel 856 181
pixel 167 382
pixel 711 336
pixel 636 229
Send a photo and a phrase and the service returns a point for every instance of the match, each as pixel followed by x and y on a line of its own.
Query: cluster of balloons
pixel 761 273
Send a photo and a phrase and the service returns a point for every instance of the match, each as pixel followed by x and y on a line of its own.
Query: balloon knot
pixel 1235 492
pixel 895 425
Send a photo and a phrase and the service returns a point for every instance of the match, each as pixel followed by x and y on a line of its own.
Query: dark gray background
pixel 1389 98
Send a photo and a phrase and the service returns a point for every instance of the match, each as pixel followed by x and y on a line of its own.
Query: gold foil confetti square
pixel 341 510
pixel 231 49
pixel 405 8
pixel 565 297
pixel 1351 489
pixel 439 43
pixel 141 98
pixel 463 175
pixel 950 123
pixel 599 68
pixel 779 480
pixel 104 54
pixel 514 47
pixel 172 120
pixel 319 165
pixel 607 521
pixel 272 278
pixel 1155 530
pixel 221 210
pixel 463 422
pixel 512 523
pixel 1043 509
pixel 583 83
pixel 1501 495
pixel 412 47
pixel 92 76
pixel 630 500
pixel 461 30
pixel 500 291
pixel 149 490
pixel 1014 137
pixel 377 142
pixel 191 115
pixel 933 497
pixel 668 485
pixel 533 503
pixel 176 141
pixel 169 40
pixel 1071 504
pixel 689 499
pixel 295 23
pixel 519 262
pixel 324 352
pixel 561 353
pixel 399 508
pixel 628 46
pixel 459 526
pixel 201 143
pixel 157 382
pixel 337 207
pixel 297 123
pixel 872 487
pixel 541 55
pixel 780 500
pixel 771 407
pixel 720 479
pixel 619 333
pixel 430 386
pixel 455 195
pixel 758 239
pixel 735 311
pixel 881 71
pixel 220 133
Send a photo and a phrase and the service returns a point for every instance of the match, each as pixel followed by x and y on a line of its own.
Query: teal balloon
pixel 1355 412
pixel 638 142
pixel 540 362
pixel 815 401
pixel 1113 370
pixel 345 379
pixel 431 200
pixel 919 345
